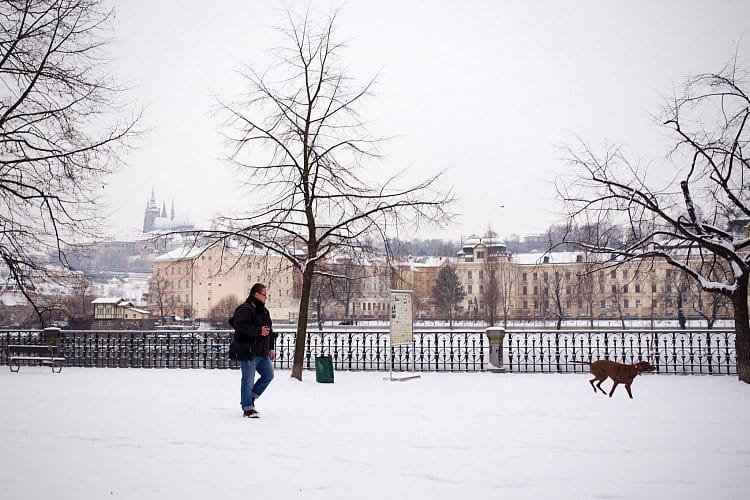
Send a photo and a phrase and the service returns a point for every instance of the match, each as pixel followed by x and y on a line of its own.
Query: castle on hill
pixel 157 220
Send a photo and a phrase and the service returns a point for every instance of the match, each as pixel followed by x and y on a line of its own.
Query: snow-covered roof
pixel 535 258
pixel 115 301
pixel 180 253
pixel 186 252
pixel 135 309
pixel 166 223
pixel 107 300
pixel 414 263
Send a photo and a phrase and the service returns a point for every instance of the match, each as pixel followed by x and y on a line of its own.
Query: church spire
pixel 171 214
pixel 164 209
pixel 152 201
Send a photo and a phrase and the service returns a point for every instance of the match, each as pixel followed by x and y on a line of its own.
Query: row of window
pixel 625 273
pixel 470 274
pixel 626 304
pixel 569 289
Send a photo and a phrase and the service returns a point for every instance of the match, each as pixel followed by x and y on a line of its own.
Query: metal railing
pixel 687 352
pixel 369 350
pixel 710 352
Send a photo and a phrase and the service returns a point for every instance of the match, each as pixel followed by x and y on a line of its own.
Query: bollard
pixel 496 335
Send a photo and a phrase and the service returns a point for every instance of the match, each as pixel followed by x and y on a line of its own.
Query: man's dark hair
pixel 258 287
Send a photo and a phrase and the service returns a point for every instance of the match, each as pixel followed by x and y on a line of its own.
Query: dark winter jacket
pixel 249 317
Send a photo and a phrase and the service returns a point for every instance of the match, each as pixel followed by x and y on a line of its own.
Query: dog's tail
pixel 581 362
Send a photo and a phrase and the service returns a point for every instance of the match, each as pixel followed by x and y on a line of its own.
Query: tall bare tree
pixel 324 299
pixel 585 289
pixel 298 139
pixel 346 284
pixel 63 126
pixel 499 286
pixel 162 297
pixel 709 306
pixel 491 291
pixel 77 305
pixel 685 220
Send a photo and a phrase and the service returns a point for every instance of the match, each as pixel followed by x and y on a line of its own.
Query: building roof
pixel 107 300
pixel 142 311
pixel 535 258
pixel 414 263
pixel 180 253
pixel 113 300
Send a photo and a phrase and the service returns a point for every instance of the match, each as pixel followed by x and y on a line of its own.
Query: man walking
pixel 252 324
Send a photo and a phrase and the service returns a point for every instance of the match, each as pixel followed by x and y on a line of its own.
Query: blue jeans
pixel 249 388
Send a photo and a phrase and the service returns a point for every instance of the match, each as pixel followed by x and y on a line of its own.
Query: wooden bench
pixel 42 354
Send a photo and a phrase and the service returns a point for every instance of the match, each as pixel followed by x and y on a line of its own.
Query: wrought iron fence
pixel 352 350
pixel 688 352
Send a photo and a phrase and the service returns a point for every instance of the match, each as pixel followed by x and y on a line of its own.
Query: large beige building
pixel 559 285
pixel 499 286
pixel 189 282
pixel 566 284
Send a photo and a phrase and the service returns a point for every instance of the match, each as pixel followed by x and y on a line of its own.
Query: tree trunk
pixel 318 313
pixel 742 331
pixel 299 347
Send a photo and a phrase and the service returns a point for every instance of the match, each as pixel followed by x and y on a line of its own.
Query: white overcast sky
pixel 483 89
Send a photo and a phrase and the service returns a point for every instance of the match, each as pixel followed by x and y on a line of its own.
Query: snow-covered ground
pixel 129 433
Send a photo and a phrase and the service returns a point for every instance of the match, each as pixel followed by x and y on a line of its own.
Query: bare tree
pixel 346 284
pixel 219 314
pixel 162 296
pixel 77 305
pixel 709 306
pixel 678 288
pixel 63 126
pixel 298 140
pixel 617 298
pixel 685 220
pixel 448 292
pixel 323 298
pixel 506 285
pixel 585 288
pixel 555 288
pixel 491 291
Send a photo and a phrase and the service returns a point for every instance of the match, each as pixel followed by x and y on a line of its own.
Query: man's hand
pixel 272 355
pixel 264 331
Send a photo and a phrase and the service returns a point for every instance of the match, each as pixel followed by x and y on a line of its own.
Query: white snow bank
pixel 128 433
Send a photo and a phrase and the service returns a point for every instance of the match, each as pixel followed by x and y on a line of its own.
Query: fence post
pixel 495 335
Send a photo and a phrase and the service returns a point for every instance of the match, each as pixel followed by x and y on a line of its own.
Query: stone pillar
pixel 496 335
pixel 51 336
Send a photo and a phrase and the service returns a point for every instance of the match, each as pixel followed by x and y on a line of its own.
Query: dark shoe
pixel 251 413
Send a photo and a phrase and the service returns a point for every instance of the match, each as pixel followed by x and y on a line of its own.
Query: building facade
pixel 189 282
pixel 560 286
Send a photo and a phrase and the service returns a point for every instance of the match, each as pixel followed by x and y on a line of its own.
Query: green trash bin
pixel 324 369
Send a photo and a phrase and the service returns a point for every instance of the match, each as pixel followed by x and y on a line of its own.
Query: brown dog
pixel 618 372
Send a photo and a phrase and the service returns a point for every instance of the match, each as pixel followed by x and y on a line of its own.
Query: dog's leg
pixel 599 385
pixel 627 388
pixel 614 386
pixel 592 383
